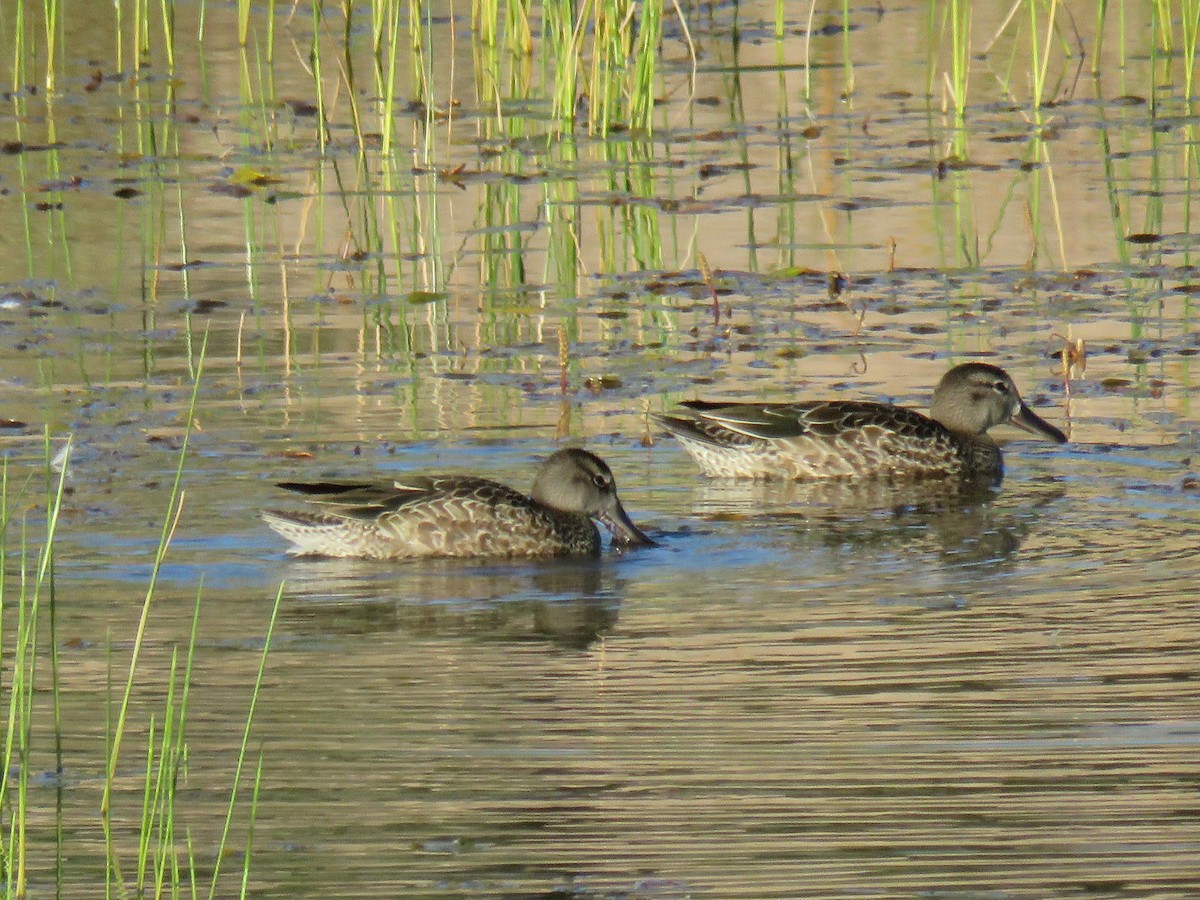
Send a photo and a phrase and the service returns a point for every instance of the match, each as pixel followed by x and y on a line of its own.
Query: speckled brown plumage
pixel 860 439
pixel 462 516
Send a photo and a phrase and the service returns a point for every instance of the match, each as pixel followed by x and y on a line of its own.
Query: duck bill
pixel 1025 418
pixel 624 532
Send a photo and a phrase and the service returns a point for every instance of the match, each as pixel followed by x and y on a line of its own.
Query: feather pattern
pixel 460 516
pixel 860 439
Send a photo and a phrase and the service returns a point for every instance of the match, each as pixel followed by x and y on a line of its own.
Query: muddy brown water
pixel 802 691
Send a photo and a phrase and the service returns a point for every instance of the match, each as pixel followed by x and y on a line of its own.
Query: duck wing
pixel 783 421
pixel 370 499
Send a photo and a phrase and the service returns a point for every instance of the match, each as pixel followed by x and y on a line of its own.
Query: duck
pixel 857 439
pixel 462 516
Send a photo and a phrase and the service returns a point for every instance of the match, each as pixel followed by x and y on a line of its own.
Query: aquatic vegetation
pixel 150 856
pixel 466 232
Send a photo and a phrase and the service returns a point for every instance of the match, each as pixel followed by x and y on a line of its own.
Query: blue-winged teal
pixel 462 516
pixel 859 439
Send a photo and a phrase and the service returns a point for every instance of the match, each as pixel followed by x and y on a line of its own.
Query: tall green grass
pixel 34 603
pixel 541 71
pixel 958 15
pixel 155 863
pixel 607 49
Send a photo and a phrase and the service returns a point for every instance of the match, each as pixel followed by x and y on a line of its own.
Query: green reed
pixel 170 521
pixel 1040 153
pixel 808 31
pixel 641 89
pixel 141 31
pixel 156 857
pixel 518 30
pixel 241 762
pixel 167 11
pixel 785 217
pixel 1191 37
pixel 959 13
pixel 392 181
pixel 421 37
pixel 502 256
pixel 1154 218
pixel 847 56
pixel 562 40
pixel 347 71
pixel 255 90
pixel 20 52
pixel 485 21
pixel 953 17
pixel 1163 23
pixel 618 63
pixel 32 256
pixel 52 20
pixel 1113 180
pixel 1042 49
pixel 248 852
pixel 631 166
pixel 47 241
pixel 611 49
pixel 243 21
pixel 563 218
pixel 165 761
pixel 157 866
pixel 954 192
pixel 503 80
pixel 385 39
pixel 35 597
pixel 318 78
pixel 1039 54
pixel 1097 52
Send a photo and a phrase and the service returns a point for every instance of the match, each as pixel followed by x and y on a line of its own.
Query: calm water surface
pixel 803 692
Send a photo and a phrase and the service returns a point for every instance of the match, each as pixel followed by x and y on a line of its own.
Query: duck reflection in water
pixel 569 602
pixel 962 521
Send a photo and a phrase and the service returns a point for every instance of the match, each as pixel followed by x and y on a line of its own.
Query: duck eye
pixel 600 480
pixel 1001 387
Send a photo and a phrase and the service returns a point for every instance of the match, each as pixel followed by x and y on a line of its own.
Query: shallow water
pixel 803 691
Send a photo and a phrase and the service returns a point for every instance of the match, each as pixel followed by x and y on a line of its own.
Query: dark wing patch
pixel 348 499
pixel 704 431
pixel 780 421
pixel 323 488
pixel 763 421
pixel 367 500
